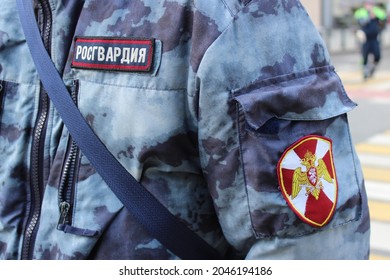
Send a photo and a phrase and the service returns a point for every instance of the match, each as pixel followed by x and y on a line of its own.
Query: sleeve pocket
pixel 292 127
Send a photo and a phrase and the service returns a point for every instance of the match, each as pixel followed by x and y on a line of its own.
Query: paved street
pixel 370 128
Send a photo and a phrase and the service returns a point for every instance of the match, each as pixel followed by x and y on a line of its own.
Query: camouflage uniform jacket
pixel 227 111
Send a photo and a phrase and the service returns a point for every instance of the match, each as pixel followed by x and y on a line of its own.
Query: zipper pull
pixel 64 210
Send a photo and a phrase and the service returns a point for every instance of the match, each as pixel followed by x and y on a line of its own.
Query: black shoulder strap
pixel 158 221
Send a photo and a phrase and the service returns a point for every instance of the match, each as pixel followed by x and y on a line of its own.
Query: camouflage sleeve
pixel 274 140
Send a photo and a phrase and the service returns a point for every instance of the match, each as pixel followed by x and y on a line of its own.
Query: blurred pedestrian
pixel 372 20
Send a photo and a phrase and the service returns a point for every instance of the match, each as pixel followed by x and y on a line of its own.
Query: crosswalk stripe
pixel 374 155
pixel 376 257
pixel 379 174
pixel 379 211
pixel 373 148
pixel 374 160
pixel 380 139
pixel 380 236
pixel 376 174
pixel 379 191
pixel 354 80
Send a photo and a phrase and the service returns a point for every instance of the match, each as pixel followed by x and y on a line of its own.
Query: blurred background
pixel 370 121
pixel 335 20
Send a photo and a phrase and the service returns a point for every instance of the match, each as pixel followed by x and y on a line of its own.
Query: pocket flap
pixel 316 94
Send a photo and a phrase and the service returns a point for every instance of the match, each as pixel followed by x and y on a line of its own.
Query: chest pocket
pixel 128 120
pixel 272 116
pixel 139 117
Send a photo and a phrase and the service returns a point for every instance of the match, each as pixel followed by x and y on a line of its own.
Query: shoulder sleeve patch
pixel 307 179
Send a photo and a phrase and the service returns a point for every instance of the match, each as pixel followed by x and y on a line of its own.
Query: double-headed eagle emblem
pixel 311 178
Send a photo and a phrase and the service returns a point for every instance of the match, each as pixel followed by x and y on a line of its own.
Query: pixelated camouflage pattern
pixel 233 84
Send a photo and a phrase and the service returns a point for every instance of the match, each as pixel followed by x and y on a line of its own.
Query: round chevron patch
pixel 307 179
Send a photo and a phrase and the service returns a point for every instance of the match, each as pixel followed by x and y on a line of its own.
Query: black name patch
pixel 113 54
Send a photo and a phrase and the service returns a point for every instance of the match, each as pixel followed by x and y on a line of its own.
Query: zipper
pixel 38 143
pixel 65 192
pixel 67 183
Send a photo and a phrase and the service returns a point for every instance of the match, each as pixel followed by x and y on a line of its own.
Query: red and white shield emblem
pixel 307 179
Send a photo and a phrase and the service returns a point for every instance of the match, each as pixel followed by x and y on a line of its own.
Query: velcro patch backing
pixel 113 54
